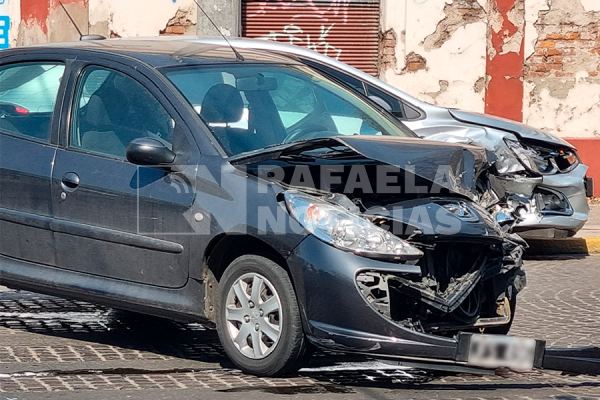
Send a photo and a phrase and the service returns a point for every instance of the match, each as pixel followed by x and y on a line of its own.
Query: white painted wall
pixel 460 61
pixel 129 18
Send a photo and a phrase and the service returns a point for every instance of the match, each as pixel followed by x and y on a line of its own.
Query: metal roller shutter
pixel 344 29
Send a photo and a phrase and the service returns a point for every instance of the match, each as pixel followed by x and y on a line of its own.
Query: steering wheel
pixel 304 134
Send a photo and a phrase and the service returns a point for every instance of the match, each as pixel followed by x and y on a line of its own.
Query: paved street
pixel 83 351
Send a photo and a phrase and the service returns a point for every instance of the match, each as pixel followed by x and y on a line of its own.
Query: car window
pixel 254 106
pixel 293 99
pixel 353 82
pixel 395 104
pixel 27 97
pixel 112 109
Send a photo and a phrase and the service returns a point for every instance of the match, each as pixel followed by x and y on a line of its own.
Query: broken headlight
pixel 543 161
pixel 339 227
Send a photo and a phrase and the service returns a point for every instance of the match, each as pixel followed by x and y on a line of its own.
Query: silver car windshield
pixel 250 107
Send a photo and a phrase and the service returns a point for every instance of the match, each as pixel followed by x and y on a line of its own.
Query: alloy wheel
pixel 253 315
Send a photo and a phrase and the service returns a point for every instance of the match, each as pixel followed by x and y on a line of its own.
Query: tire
pixel 257 339
pixel 505 329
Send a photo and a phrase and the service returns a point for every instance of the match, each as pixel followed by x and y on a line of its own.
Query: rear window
pixel 27 98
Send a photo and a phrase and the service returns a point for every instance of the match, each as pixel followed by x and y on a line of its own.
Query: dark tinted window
pixel 394 103
pixel 112 109
pixel 411 113
pixel 28 94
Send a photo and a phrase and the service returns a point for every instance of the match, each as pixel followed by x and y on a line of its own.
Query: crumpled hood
pixel 466 162
pixel 519 129
pixel 463 163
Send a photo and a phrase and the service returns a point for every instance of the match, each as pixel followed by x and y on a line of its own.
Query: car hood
pixel 521 130
pixel 462 163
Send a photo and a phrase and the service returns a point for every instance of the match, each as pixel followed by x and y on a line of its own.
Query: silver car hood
pixel 521 130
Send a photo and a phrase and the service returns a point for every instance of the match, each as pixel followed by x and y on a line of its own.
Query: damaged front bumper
pixel 338 315
pixel 552 206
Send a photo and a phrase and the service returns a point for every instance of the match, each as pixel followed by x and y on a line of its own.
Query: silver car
pixel 539 179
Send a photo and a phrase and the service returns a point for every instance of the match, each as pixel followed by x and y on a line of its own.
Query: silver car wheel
pixel 253 315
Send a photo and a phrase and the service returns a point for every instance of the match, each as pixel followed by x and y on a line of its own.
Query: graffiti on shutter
pixel 347 30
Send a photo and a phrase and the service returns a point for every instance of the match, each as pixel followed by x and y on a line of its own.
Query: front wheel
pixel 258 319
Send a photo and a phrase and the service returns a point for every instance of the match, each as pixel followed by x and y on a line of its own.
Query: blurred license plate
pixel 493 351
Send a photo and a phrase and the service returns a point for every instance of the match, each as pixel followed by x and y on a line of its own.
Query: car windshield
pixel 250 107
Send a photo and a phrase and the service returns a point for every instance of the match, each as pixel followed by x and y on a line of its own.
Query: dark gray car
pixel 182 180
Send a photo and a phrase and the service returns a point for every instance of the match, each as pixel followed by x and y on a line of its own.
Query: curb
pixel 543 247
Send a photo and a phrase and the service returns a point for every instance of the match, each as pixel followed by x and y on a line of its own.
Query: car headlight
pixel 337 226
pixel 532 159
pixel 543 161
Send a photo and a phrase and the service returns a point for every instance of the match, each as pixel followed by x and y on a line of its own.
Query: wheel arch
pixel 219 254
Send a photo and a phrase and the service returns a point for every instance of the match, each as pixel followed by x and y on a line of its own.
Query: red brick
pixel 413 67
pixel 553 52
pixel 554 36
pixel 178 30
pixel 389 43
pixel 593 73
pixel 547 44
pixel 562 74
pixel 572 35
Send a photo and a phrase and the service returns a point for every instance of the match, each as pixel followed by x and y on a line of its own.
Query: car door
pixel 28 98
pixel 114 218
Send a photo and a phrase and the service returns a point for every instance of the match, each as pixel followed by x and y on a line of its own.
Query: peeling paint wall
pixel 43 21
pixel 440 51
pixel 536 61
pixel 562 70
pixel 119 18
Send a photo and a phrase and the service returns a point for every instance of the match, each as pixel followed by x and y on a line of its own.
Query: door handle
pixel 70 181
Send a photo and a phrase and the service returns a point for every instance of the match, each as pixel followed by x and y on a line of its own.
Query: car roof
pixel 159 53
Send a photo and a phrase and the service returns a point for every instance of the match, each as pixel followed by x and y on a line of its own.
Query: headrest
pixel 96 114
pixel 222 104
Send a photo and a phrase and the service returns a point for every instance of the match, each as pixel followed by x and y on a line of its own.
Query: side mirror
pixel 381 102
pixel 147 151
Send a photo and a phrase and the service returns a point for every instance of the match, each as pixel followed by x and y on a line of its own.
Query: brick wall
pixel 557 54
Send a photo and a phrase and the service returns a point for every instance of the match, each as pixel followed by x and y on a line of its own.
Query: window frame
pixel 15 61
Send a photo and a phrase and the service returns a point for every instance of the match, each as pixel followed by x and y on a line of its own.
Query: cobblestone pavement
pixel 82 351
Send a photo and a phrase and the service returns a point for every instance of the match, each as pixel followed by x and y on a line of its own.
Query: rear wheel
pixel 258 319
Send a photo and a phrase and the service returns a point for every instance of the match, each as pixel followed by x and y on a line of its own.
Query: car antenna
pixel 238 56
pixel 81 35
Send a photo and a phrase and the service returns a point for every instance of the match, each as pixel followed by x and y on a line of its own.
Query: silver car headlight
pixel 339 227
pixel 531 159
pixel 543 161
